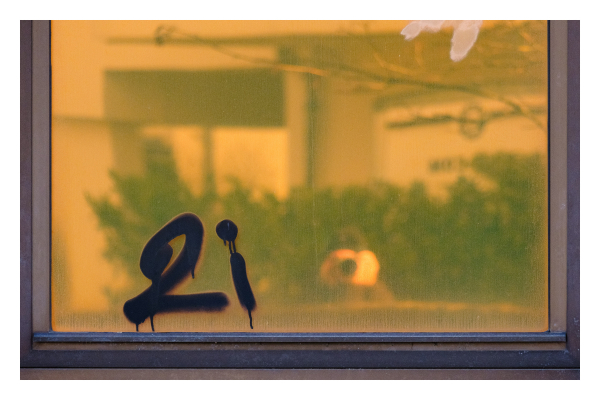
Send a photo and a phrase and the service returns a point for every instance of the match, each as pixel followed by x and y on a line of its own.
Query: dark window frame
pixel 50 354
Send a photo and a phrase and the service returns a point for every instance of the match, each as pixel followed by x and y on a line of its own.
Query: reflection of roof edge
pixel 282 38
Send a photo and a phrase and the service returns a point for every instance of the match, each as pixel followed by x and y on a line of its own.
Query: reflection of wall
pixel 81 156
pixel 437 154
pixel 81 54
pixel 81 51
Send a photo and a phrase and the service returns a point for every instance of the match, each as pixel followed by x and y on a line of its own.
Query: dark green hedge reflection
pixel 475 246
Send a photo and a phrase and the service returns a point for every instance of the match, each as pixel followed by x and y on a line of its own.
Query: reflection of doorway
pixel 188 150
pixel 209 159
pixel 257 157
pixel 206 117
pixel 328 126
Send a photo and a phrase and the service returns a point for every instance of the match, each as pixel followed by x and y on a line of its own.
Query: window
pixel 42 347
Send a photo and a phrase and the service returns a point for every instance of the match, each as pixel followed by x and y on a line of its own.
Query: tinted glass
pixel 383 176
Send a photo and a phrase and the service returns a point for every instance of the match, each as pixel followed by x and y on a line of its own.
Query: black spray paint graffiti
pixel 228 231
pixel 155 258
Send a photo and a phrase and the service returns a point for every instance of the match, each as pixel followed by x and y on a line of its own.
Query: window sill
pixel 192 337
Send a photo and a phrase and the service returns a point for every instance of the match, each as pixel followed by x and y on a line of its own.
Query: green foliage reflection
pixel 476 246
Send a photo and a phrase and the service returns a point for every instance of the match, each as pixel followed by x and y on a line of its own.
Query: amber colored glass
pixel 380 181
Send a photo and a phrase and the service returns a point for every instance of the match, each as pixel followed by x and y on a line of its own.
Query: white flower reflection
pixel 465 34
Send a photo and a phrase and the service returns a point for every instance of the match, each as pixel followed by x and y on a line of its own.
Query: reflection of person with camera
pixel 354 269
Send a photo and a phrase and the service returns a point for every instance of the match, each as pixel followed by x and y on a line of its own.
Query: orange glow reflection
pixel 364 274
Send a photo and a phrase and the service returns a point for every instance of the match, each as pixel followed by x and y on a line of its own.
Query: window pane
pixel 380 181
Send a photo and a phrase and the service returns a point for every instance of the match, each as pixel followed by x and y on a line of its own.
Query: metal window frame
pixel 52 355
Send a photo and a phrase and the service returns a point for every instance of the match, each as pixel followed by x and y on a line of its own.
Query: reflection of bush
pixel 477 244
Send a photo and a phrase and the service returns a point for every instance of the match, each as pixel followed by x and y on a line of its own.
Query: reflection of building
pixel 236 103
pixel 405 125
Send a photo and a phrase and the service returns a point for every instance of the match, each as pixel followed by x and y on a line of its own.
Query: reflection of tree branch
pixel 164 34
pixel 380 59
pixel 518 109
pixel 442 118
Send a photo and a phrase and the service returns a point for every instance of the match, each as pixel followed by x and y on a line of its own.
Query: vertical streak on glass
pixel 209 164
pixel 312 107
